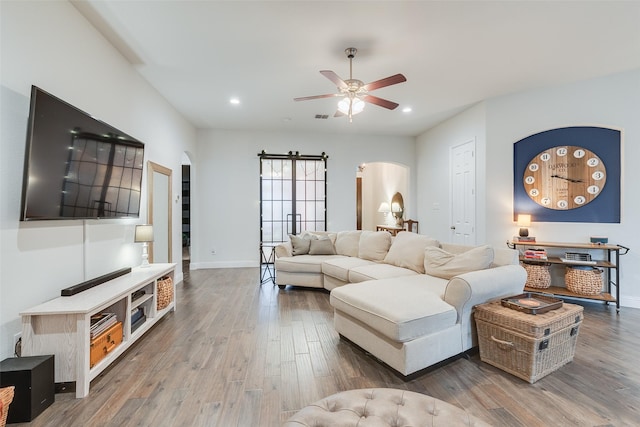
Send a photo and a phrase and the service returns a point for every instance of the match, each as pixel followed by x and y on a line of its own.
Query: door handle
pixel 453 227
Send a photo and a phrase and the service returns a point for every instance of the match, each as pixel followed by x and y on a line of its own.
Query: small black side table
pixel 267 264
pixel 33 378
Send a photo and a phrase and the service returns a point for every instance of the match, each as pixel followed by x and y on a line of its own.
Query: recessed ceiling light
pixel 406 110
pixel 234 101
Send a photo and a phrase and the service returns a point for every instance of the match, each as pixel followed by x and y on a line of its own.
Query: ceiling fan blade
pixel 306 98
pixel 334 78
pixel 379 101
pixel 391 80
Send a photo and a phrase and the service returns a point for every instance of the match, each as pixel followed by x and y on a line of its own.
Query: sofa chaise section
pixel 378 315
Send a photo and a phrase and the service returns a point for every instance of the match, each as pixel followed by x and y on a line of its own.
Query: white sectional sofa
pixel 408 300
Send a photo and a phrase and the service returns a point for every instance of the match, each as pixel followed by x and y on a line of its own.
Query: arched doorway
pixel 378 182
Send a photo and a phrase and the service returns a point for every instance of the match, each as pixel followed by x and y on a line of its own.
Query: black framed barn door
pixel 293 196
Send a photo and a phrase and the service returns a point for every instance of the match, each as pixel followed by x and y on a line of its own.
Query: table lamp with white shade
pixel 144 234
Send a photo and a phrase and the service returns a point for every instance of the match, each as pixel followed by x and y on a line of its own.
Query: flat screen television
pixel 77 166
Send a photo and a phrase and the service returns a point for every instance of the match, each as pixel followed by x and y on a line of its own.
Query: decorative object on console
pixel 578 258
pixel 523 222
pixel 144 234
pixel 599 240
pixel 397 208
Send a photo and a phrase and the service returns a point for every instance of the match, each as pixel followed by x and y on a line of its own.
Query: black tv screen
pixel 77 166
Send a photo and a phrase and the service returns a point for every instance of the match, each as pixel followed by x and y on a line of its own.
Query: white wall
pixel 612 101
pixel 433 152
pixel 50 45
pixel 226 211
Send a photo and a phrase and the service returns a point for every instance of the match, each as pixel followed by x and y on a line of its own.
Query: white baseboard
pixel 629 301
pixel 223 264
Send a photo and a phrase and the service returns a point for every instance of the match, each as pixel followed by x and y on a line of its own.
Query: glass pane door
pixel 292 196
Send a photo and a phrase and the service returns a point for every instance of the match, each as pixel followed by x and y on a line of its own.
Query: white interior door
pixel 463 193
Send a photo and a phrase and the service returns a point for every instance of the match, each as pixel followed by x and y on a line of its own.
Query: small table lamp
pixel 384 208
pixel 144 234
pixel 523 222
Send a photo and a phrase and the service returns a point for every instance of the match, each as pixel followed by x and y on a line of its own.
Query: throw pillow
pixel 319 235
pixel 322 247
pixel 300 245
pixel 347 242
pixel 407 251
pixel 374 245
pixel 440 263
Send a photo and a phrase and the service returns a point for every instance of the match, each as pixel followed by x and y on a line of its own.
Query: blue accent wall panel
pixel 604 142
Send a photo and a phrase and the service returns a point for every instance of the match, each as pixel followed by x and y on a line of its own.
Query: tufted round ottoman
pixel 380 407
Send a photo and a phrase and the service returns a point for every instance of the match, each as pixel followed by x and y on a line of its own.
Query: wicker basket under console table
pixel 61 326
pixel 610 264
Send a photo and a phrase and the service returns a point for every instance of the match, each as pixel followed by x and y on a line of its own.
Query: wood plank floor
pixel 239 354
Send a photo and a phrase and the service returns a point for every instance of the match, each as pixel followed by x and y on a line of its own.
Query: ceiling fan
pixel 354 92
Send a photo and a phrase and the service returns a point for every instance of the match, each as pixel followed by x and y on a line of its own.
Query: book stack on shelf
pixel 535 254
pixel 100 322
pixel 137 318
pixel 524 239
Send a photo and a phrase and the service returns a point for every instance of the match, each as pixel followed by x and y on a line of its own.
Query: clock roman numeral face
pixel 564 177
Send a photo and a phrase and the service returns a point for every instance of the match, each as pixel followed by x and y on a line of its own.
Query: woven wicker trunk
pixel 526 345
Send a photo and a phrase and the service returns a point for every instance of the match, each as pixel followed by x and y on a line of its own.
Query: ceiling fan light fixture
pixel 357 105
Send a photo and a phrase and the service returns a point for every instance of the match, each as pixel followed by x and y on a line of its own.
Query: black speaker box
pixel 33 378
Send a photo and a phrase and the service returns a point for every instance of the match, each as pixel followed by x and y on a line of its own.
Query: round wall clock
pixel 564 177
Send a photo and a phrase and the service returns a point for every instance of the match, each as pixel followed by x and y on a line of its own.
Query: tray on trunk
pixel 531 303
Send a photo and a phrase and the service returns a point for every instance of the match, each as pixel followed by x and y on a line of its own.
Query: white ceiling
pixel 199 54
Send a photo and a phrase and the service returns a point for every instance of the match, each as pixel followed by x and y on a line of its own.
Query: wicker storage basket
pixel 6 397
pixel 538 275
pixel 526 345
pixel 583 280
pixel 165 292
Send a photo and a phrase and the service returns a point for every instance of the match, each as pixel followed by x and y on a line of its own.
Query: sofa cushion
pixel 377 271
pixel 407 250
pixel 339 267
pixel 302 263
pixel 300 244
pixel 320 235
pixel 321 247
pixel 398 309
pixel 347 242
pixel 374 245
pixel 440 263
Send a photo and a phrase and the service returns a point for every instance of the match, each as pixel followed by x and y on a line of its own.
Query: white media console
pixel 61 326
